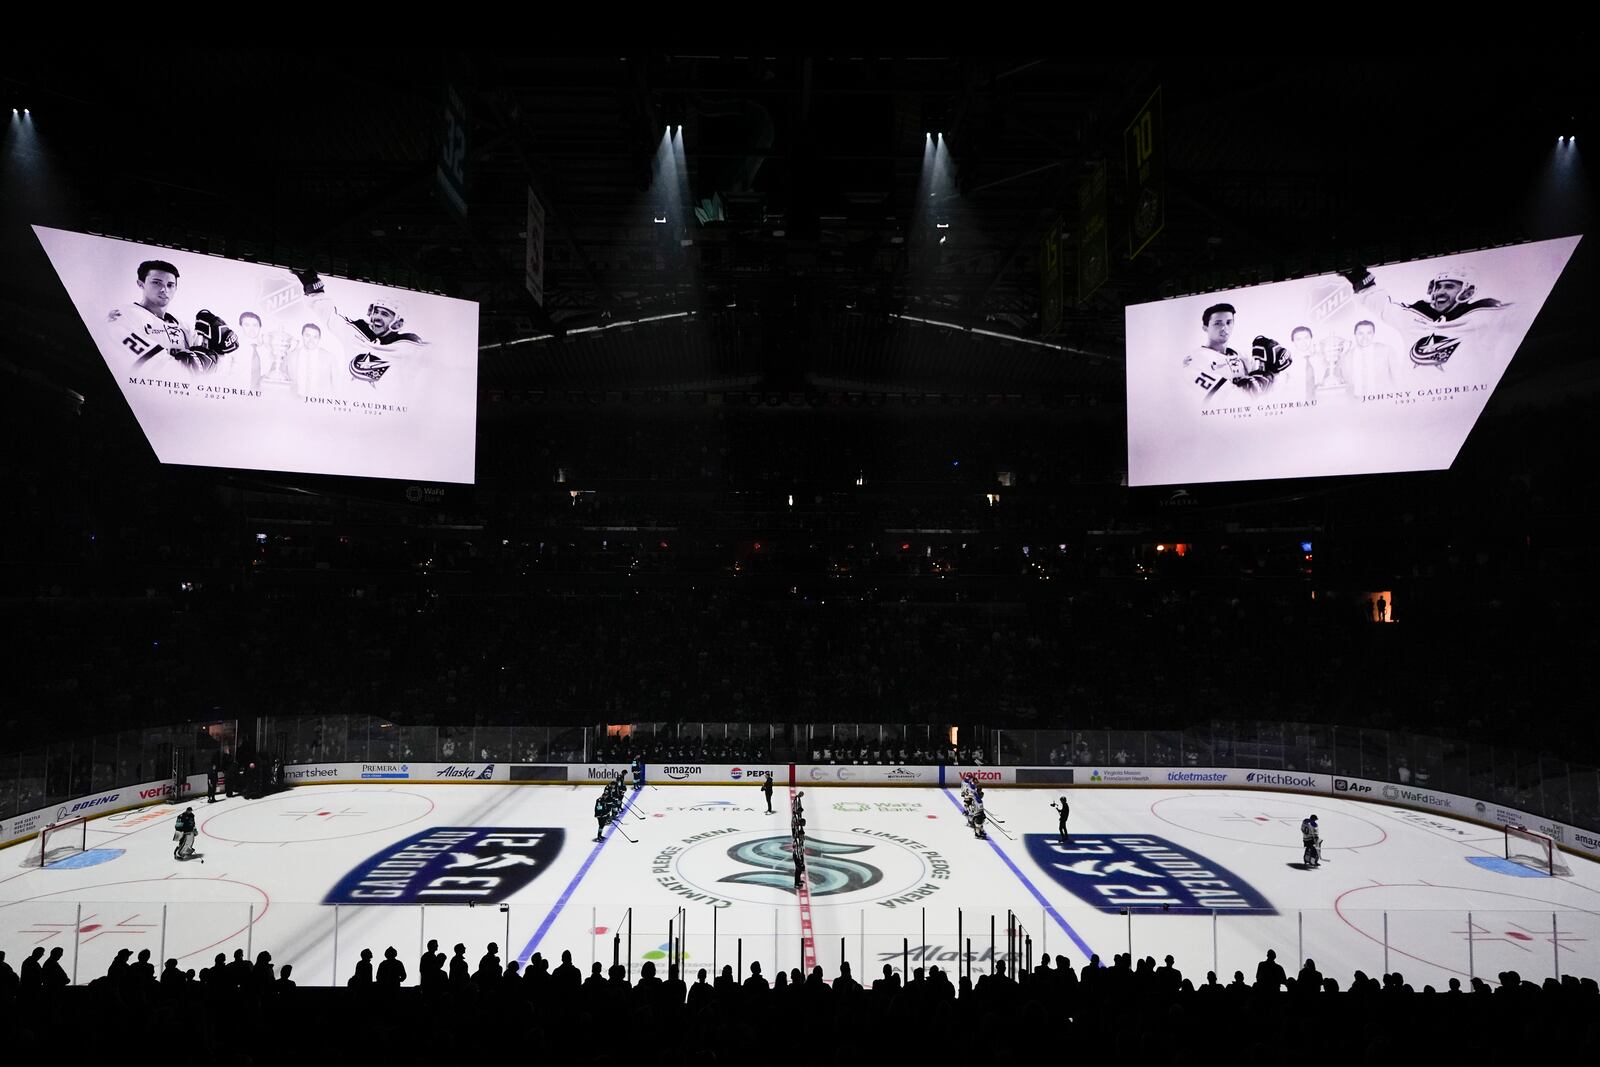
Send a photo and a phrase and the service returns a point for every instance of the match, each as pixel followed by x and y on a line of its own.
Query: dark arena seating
pixel 465 428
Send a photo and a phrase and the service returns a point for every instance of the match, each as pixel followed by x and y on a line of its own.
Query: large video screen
pixel 1376 370
pixel 229 364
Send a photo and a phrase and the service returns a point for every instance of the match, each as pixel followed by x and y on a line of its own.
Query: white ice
pixel 897 866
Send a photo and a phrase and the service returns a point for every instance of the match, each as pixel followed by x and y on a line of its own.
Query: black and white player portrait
pixel 383 358
pixel 155 338
pixel 1381 368
pixel 1220 373
pixel 1441 326
pixel 234 364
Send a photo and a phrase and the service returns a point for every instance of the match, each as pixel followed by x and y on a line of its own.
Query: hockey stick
pixel 624 833
pixel 1004 832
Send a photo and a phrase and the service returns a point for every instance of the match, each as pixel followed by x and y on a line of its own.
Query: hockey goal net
pixel 1532 849
pixel 60 841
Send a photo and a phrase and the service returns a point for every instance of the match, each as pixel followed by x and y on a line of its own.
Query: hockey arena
pixel 895 878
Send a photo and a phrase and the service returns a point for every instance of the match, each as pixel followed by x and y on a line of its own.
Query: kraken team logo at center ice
pixel 846 867
pixel 827 865
pixel 1116 871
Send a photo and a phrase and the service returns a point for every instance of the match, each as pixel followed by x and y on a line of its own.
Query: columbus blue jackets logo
pixel 827 868
pixel 1434 350
pixel 1116 871
pixel 369 367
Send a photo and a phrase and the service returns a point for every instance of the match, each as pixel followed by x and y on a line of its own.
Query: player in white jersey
pixel 383 361
pixel 1219 373
pixel 1437 327
pixel 155 338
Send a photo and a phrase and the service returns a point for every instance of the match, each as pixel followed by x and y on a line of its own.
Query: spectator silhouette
pixel 1269 974
pixel 362 978
pixel 391 972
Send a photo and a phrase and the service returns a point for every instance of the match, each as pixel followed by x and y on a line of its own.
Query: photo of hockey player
pixel 384 360
pixel 1384 368
pixel 1438 325
pixel 1216 371
pixel 156 338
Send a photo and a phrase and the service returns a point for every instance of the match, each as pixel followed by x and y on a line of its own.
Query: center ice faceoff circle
pixel 851 866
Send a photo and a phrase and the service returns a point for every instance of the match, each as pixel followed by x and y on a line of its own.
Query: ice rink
pixel 1213 877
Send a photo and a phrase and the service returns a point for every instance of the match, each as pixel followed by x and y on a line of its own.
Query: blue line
pixel 1048 907
pixel 566 894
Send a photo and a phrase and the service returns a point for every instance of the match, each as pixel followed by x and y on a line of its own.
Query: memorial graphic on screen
pixel 229 364
pixel 1372 370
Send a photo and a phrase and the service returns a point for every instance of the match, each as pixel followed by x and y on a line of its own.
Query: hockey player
pixel 1061 812
pixel 978 820
pixel 382 356
pixel 1214 371
pixel 1312 841
pixel 602 814
pixel 184 833
pixel 1438 326
pixel 799 861
pixel 638 772
pixel 153 335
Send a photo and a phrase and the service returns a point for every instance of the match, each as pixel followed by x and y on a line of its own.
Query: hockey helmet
pixel 1465 277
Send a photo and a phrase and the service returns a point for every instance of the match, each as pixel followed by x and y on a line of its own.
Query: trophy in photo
pixel 280 345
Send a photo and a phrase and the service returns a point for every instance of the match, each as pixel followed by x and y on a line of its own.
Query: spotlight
pixel 660 219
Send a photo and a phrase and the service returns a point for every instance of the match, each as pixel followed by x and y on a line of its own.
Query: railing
pixel 322 943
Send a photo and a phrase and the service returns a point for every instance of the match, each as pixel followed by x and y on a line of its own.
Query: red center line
pixel 806 939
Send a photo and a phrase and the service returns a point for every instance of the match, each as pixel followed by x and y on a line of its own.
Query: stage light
pixel 660 220
pixel 1162 548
